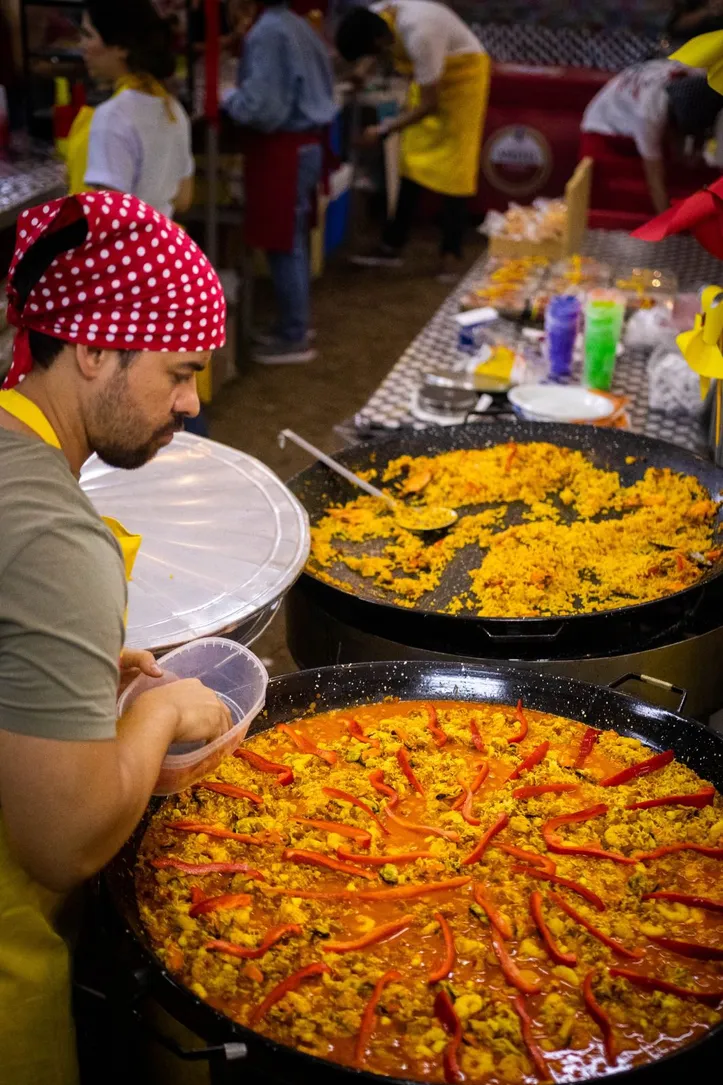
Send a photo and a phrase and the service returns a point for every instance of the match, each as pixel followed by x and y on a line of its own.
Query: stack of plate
pixel 560 403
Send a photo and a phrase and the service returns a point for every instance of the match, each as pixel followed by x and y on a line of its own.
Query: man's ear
pixel 92 362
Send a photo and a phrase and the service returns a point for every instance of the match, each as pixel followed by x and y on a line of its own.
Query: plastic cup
pixel 562 320
pixel 239 679
pixel 604 315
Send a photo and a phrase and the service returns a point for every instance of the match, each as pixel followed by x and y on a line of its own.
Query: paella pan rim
pixel 291 696
pixel 436 440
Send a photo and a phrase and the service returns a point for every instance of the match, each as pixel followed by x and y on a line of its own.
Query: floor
pixel 364 320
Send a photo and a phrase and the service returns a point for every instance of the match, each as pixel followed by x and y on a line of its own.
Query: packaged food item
pixel 580 270
pixel 645 287
pixel 478 327
pixel 543 220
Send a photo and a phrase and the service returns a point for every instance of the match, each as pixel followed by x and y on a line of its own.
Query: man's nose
pixel 188 402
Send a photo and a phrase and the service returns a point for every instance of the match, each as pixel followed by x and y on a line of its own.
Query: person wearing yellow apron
pixel 103 364
pixel 442 125
pixel 139 140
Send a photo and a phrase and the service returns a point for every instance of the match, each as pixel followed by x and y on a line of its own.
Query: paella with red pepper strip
pixel 447 892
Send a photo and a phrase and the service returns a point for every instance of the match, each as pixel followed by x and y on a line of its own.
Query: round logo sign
pixel 517 160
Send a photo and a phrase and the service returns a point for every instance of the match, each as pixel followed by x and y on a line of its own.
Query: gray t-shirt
pixel 62 599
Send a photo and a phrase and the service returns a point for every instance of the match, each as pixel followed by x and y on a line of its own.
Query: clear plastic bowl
pixel 235 674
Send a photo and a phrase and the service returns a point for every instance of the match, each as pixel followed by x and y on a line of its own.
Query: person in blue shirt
pixel 284 99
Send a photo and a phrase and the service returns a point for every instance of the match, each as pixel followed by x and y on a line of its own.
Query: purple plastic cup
pixel 562 321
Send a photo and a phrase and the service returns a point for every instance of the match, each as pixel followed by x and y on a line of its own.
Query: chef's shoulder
pixel 62 600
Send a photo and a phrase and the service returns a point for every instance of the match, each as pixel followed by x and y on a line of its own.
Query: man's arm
pixel 655 176
pixel 263 98
pixel 429 102
pixel 73 784
pixel 68 807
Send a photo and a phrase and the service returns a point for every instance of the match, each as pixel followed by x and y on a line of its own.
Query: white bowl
pixel 560 403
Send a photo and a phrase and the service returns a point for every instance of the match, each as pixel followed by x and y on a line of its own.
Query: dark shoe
pixel 383 256
pixel 277 352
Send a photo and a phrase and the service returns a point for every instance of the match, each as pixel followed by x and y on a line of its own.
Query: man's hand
pixel 200 715
pixel 370 136
pixel 133 662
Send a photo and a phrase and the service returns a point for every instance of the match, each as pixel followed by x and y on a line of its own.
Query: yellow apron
pixel 37 1041
pixel 442 151
pixel 76 156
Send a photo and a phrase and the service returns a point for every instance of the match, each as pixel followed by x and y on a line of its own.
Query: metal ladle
pixel 417 521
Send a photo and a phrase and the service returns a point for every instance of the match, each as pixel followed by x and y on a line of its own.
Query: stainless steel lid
pixel 223 539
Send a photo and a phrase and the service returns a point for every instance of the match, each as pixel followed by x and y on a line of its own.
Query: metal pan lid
pixel 222 538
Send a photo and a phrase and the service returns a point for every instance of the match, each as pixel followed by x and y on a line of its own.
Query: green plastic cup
pixel 604 315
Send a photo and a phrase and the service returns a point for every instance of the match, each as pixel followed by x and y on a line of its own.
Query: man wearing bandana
pixel 116 311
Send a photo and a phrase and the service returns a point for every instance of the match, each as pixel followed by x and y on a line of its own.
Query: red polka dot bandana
pixel 137 282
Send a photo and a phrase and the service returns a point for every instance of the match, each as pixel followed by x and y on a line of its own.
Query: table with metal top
pixel 28 179
pixel 389 408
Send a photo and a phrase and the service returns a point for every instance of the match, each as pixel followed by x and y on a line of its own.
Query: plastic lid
pixel 222 538
pixel 239 679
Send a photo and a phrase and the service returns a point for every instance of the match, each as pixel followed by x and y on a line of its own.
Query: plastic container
pixel 562 320
pixel 240 680
pixel 604 315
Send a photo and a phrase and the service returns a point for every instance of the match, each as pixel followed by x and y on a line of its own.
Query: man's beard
pixel 120 436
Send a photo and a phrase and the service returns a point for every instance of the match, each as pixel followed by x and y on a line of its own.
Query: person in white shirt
pixel 442 124
pixel 139 140
pixel 636 117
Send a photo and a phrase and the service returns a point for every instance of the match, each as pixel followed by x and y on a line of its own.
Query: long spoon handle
pixel 289 435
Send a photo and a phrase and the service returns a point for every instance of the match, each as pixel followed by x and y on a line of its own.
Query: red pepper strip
pixel 680 562
pixel 217 904
pixel 707 903
pixel 291 983
pixel 400 892
pixel 487 836
pixel 408 771
pixel 600 1018
pixel 524 725
pixel 477 739
pixel 592 734
pixel 698 799
pixel 361 836
pixel 382 860
pixel 424 830
pixel 305 745
pixel 511 456
pixel 355 729
pixel 533 790
pixel 197 894
pixel 696 950
pixel 643 768
pixel 497 920
pixel 542 861
pixel 367 1021
pixel 446 1014
pixel 450 953
pixel 440 739
pixel 671 849
pixel 467 810
pixel 555 844
pixel 482 774
pixel 216 830
pixel 314 858
pixel 270 939
pixel 568 883
pixel 409 892
pixel 510 970
pixel 170 863
pixel 612 943
pixel 345 796
pixel 371 938
pixel 531 760
pixel 535 1051
pixel 376 779
pixel 650 983
pixel 285 774
pixel 230 790
pixel 550 945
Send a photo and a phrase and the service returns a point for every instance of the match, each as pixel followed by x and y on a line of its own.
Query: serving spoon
pixel 423 521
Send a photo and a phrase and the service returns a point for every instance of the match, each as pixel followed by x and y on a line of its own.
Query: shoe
pixel 380 257
pixel 278 352
pixel 267 339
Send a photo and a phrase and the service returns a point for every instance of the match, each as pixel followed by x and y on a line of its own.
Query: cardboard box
pixel 577 198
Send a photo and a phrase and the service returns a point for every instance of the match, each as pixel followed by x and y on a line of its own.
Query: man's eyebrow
pixel 194 367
